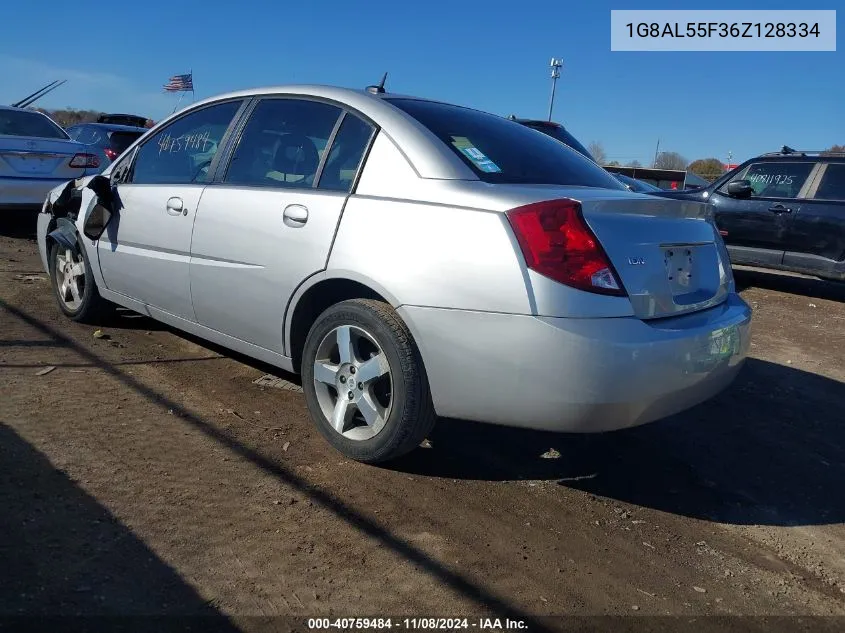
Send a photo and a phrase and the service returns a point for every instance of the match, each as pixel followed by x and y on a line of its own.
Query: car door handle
pixel 295 216
pixel 779 208
pixel 175 206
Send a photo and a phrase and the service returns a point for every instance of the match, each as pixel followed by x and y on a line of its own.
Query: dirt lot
pixel 147 474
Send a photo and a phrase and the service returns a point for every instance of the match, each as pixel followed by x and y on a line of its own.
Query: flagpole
pixel 178 101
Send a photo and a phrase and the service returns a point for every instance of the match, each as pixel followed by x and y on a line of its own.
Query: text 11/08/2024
pixel 485 624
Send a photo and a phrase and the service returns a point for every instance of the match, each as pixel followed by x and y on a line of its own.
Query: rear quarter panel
pixel 432 255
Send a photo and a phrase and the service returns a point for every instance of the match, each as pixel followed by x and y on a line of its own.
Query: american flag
pixel 180 83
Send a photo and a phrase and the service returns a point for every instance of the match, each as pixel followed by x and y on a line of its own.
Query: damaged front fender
pixel 64 234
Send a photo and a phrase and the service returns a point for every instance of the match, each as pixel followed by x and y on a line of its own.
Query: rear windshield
pixel 503 151
pixel 121 140
pixel 23 123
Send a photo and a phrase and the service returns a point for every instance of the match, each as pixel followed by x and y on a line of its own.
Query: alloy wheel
pixel 70 278
pixel 353 382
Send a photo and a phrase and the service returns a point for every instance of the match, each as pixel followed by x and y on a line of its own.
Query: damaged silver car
pixel 411 259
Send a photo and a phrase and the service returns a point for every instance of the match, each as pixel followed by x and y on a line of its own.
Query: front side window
pixel 282 144
pixel 832 185
pixel 774 179
pixel 183 151
pixel 345 156
pixel 14 122
pixel 501 151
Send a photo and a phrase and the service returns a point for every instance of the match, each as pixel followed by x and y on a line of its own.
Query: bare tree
pixel 670 160
pixel 635 164
pixel 598 152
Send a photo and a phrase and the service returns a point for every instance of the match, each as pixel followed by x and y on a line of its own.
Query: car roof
pixel 16 109
pixel 112 126
pixel 429 157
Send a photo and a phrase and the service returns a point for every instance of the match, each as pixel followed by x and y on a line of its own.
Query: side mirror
pixel 100 216
pixel 740 189
pixel 96 222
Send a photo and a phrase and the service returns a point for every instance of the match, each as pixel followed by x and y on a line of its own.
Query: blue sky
pixel 489 55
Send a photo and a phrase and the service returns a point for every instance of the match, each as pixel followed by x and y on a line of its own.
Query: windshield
pixel 559 132
pixel 503 151
pixel 121 140
pixel 637 185
pixel 23 123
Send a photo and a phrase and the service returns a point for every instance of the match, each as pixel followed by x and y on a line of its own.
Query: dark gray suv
pixel 784 210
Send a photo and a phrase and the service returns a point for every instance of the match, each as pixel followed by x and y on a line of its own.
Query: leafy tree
pixel 598 152
pixel 670 160
pixel 707 168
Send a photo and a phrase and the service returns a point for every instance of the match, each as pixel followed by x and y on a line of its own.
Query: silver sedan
pixel 411 259
pixel 36 155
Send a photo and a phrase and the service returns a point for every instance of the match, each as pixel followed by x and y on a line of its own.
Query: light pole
pixel 555 65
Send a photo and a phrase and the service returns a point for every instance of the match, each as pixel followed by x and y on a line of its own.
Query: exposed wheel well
pixel 314 302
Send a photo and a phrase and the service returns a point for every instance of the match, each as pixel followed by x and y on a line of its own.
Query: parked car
pixel 429 260
pixel 110 138
pixel 556 131
pixel 633 184
pixel 36 155
pixel 131 120
pixel 694 181
pixel 784 210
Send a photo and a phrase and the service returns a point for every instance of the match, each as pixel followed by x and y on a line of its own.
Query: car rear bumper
pixel 27 192
pixel 577 375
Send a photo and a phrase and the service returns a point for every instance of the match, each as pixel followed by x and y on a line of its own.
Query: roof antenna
pixel 379 89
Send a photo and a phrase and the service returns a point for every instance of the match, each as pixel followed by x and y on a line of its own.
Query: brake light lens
pixel 557 243
pixel 110 153
pixel 85 161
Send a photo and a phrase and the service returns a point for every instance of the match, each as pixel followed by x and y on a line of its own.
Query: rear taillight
pixel 556 242
pixel 85 160
pixel 110 153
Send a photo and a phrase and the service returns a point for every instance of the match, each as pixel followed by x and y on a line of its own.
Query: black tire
pixel 92 308
pixel 411 415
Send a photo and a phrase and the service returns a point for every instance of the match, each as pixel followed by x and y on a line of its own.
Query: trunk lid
pixel 667 253
pixel 33 157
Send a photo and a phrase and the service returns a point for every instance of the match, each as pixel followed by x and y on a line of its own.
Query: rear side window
pixel 503 151
pixel 775 179
pixel 345 156
pixel 832 185
pixel 283 143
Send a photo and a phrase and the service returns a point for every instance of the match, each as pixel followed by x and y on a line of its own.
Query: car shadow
pixel 770 450
pixel 64 554
pixel 806 286
pixel 19 224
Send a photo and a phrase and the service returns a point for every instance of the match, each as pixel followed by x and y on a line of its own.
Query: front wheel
pixel 365 383
pixel 74 286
